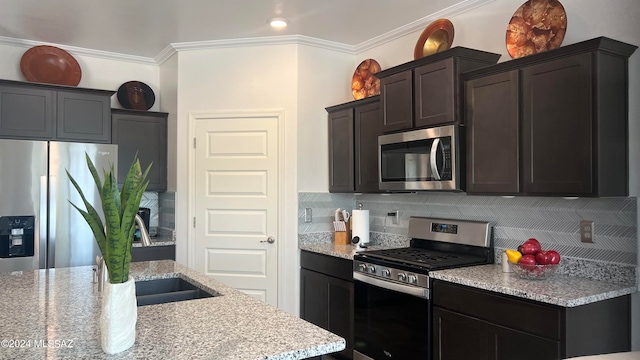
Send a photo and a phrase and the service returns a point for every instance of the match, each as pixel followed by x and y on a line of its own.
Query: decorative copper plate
pixel 51 65
pixel 136 95
pixel 436 37
pixel 363 83
pixel 537 26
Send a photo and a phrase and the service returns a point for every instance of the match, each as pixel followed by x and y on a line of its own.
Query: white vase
pixel 118 317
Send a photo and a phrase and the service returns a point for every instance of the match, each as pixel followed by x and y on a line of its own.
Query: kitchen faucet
pixel 102 267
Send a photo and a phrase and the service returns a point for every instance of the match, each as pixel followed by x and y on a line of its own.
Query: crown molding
pixel 78 50
pixel 173 48
pixel 165 54
pixel 451 11
pixel 259 41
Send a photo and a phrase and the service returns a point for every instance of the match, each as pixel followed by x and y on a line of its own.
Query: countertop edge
pixel 616 291
pixel 348 251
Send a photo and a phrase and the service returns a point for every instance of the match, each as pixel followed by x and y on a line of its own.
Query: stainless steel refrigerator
pixel 39 228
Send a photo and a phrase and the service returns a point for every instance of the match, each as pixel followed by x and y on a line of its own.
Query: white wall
pixel 229 79
pixel 324 79
pixel 97 73
pixel 169 85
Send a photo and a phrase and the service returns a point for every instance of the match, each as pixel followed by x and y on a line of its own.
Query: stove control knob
pixel 386 273
pixel 372 269
pixel 402 277
pixel 362 267
pixel 411 279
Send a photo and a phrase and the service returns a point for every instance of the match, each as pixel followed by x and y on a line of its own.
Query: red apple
pixel 530 247
pixel 554 257
pixel 534 240
pixel 542 257
pixel 528 262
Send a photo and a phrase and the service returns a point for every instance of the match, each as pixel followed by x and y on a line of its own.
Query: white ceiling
pixel 145 27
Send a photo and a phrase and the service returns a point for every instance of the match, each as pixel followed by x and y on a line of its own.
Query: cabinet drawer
pixel 329 265
pixel 499 309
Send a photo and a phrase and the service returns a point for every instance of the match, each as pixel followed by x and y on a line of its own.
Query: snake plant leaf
pixel 134 178
pixel 115 237
pixel 91 216
pixel 116 241
pixel 94 172
pixel 130 210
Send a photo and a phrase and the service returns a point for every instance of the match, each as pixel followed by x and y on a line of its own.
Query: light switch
pixel 308 215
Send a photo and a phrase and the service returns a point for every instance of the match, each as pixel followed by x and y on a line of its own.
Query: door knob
pixel 269 240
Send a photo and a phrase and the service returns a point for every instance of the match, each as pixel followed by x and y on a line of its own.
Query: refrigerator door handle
pixel 42 225
pixel 53 201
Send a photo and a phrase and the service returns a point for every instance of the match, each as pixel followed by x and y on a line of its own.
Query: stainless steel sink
pixel 160 291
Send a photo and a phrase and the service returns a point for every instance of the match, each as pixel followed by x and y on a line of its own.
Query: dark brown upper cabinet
pixel 554 123
pixel 51 112
pixel 427 91
pixel 492 133
pixel 354 128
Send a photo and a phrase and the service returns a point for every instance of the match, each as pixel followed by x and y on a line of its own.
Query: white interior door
pixel 236 202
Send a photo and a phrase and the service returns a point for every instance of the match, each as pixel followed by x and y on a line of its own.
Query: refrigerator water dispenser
pixel 17 236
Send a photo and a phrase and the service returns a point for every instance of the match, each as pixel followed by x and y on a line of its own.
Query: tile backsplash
pixel 167 210
pixel 553 221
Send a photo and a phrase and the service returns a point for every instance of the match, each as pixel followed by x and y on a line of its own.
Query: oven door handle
pixel 405 289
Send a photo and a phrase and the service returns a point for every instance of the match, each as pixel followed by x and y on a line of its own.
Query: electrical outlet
pixel 308 215
pixel 395 216
pixel 586 231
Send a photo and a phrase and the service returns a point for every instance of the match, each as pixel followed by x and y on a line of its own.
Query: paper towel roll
pixel 360 225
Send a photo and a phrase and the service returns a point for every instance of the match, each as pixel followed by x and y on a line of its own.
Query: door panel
pixel 71 241
pixel 492 134
pixel 434 93
pixel 341 173
pixel 557 138
pixel 23 192
pixel 397 104
pixel 368 126
pixel 236 203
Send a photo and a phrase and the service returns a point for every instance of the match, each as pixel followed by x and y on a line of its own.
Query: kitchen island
pixel 54 314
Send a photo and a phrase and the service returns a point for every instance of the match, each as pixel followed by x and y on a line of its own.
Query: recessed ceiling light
pixel 278 23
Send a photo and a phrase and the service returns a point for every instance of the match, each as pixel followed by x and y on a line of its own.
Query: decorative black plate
pixel 136 95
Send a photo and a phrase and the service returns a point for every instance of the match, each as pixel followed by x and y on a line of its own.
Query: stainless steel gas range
pixel 392 290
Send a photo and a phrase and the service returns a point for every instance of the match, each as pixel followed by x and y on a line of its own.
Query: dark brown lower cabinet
pixel 470 323
pixel 326 295
pixel 483 340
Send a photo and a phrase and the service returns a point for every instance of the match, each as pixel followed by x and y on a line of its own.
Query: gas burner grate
pixel 429 259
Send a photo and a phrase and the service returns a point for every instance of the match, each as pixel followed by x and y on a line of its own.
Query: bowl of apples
pixel 531 262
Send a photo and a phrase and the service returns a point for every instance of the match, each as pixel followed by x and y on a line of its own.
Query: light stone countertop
pixel 331 249
pixel 61 307
pixel 561 290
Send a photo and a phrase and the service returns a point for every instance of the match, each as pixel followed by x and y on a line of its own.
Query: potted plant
pixel 114 238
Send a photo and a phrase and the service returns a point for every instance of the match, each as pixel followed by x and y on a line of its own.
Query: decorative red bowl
pixel 534 272
pixel 50 65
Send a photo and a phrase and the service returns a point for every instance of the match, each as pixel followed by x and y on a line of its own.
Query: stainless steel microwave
pixel 425 159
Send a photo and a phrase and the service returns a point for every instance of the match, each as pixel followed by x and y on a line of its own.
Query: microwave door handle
pixel 433 158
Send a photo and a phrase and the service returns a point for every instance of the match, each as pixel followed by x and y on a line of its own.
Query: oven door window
pixel 419 160
pixel 389 324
